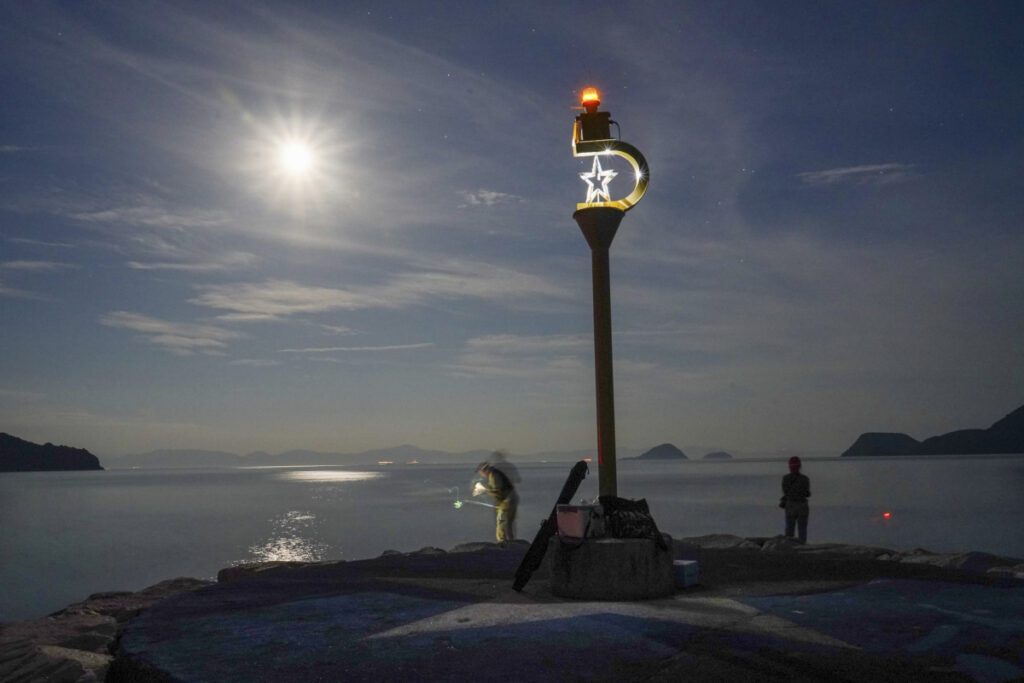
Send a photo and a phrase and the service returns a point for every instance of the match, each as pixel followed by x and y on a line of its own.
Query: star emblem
pixel 597 180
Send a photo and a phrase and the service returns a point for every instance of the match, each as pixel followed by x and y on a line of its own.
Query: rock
pixel 860 551
pixel 240 571
pixel 473 547
pixel 720 541
pixel 974 562
pixel 74 644
pixel 429 550
pixel 1006 572
pixel 781 544
pixel 969 563
pixel 94 665
pixel 23 660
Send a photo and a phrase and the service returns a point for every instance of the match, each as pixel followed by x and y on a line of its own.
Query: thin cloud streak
pixel 331 349
pixel 457 281
pixel 230 261
pixel 21 293
pixel 174 337
pixel 877 174
pixel 483 197
pixel 36 266
pixel 540 358
pixel 40 243
pixel 154 216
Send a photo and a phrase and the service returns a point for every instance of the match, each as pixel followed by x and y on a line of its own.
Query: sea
pixel 66 535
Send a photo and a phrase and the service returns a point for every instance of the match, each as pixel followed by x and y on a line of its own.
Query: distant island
pixel 718 455
pixel 665 451
pixel 18 455
pixel 1004 436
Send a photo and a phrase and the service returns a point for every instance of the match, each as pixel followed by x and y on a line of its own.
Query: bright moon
pixel 296 158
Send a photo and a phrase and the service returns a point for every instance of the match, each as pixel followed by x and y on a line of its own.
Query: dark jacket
pixel 796 488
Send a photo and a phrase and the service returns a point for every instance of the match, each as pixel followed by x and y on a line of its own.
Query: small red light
pixel 887 515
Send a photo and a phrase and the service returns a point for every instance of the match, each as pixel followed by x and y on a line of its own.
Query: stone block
pixel 611 569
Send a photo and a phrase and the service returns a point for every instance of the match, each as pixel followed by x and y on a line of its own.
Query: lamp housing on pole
pixel 593 124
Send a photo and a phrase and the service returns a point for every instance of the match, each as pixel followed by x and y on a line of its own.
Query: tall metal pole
pixel 599 225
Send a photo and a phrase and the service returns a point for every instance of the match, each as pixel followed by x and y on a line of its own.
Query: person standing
pixel 506 500
pixel 796 489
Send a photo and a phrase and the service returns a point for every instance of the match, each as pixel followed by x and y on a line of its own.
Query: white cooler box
pixel 576 522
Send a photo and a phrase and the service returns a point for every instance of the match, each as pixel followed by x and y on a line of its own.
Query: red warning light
pixel 886 515
pixel 590 100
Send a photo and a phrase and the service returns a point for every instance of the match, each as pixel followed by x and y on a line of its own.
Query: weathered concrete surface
pixel 766 616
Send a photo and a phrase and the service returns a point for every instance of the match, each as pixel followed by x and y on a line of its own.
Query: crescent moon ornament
pixel 598 148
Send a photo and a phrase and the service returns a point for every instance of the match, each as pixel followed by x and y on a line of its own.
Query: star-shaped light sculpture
pixel 598 175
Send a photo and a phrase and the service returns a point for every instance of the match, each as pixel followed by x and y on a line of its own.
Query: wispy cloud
pixel 20 293
pixel 332 349
pixel 538 357
pixel 285 297
pixel 228 261
pixel 35 266
pixel 254 362
pixel 174 337
pixel 152 214
pixel 876 174
pixel 11 149
pixel 483 197
pixel 337 329
pixel 40 243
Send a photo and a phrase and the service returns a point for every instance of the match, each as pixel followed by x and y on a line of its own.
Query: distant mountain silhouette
pixel 1005 436
pixel 883 443
pixel 718 455
pixel 167 457
pixel 398 455
pixel 18 455
pixel 665 451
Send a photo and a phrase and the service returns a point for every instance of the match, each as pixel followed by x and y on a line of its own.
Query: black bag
pixel 624 518
pixel 782 502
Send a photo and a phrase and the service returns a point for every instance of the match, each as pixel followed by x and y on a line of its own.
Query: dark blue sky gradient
pixel 831 242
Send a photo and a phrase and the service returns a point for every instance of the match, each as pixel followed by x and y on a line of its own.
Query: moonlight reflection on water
pixel 292 539
pixel 321 476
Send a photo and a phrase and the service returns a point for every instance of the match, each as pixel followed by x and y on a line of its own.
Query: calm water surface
pixel 64 535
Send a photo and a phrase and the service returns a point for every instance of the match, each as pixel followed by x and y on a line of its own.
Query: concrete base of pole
pixel 611 569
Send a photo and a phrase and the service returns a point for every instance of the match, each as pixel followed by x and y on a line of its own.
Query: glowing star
pixel 595 176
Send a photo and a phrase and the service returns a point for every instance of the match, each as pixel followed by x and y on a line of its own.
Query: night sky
pixel 345 225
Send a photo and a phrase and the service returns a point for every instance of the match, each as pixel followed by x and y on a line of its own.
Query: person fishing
pixel 500 487
pixel 796 489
